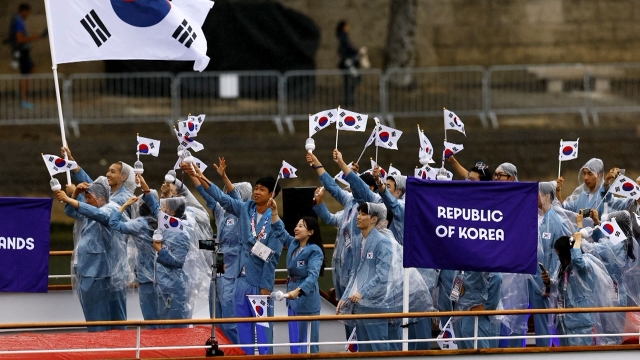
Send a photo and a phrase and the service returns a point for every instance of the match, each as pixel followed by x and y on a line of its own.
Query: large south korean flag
pixel 85 30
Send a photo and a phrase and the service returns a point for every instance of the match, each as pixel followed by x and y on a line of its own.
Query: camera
pixel 586 212
pixel 218 257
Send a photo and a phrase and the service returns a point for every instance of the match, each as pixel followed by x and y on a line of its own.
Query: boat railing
pixel 139 324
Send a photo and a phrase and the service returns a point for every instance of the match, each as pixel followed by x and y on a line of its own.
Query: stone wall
pixel 450 32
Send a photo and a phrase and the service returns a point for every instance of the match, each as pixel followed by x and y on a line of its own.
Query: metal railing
pixel 276 319
pixel 584 90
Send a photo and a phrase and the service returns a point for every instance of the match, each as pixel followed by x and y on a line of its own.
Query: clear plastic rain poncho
pixel 91 237
pixel 195 266
pixel 580 198
pixel 401 183
pixel 620 261
pixel 124 245
pixel 589 285
pixel 509 169
pixel 374 271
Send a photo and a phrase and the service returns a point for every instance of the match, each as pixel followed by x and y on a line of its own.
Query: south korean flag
pixel 192 125
pixel 351 121
pixel 56 164
pixel 626 187
pixel 453 122
pixel 197 162
pixel 426 173
pixel 170 223
pixel 188 142
pixel 321 120
pixel 388 137
pixel 612 230
pixel 86 30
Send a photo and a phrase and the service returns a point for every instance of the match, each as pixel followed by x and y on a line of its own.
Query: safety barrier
pixel 425 91
pixel 404 316
pixel 585 90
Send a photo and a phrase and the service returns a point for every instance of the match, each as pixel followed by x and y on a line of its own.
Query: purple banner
pixel 24 244
pixel 471 225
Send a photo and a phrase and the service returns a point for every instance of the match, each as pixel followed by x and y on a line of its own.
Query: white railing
pixel 584 90
pixel 138 325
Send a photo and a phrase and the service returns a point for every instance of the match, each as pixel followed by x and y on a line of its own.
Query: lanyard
pixel 261 235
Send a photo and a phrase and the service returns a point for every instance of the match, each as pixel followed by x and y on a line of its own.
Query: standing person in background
pixel 20 43
pixel 349 60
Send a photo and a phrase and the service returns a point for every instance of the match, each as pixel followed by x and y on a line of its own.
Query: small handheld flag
pixel 351 345
pixel 426 149
pixel 148 146
pixel 447 334
pixel 612 230
pixel 259 304
pixel 170 223
pixel 393 171
pixel 453 122
pixel 351 121
pixel 341 178
pixel 383 172
pixel 625 187
pixel 287 171
pixel 322 120
pixel 192 125
pixel 56 164
pixel 568 150
pixel 199 163
pixel 188 142
pixel 426 173
pixel 451 149
pixel 387 137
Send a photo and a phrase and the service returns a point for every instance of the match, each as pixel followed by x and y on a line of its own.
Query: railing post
pixel 309 337
pixel 475 333
pixel 138 342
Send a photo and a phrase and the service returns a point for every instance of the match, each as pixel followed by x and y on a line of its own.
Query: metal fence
pixel 470 91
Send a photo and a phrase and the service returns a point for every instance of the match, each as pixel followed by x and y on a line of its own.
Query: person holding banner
pixel 99 297
pixel 506 172
pixel 369 290
pixel 228 234
pixel 305 263
pixel 172 248
pixel 479 172
pixel 259 254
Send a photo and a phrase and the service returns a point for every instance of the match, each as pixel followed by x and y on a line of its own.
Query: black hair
pixel 563 245
pixel 484 174
pixel 363 207
pixel 269 182
pixel 370 181
pixel 340 27
pixel 180 211
pixel 24 7
pixel 145 210
pixel 389 216
pixel 312 224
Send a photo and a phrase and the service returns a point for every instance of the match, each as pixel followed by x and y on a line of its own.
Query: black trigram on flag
pixel 95 27
pixel 317 129
pixel 185 34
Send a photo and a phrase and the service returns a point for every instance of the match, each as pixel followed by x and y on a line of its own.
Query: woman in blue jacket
pixel 305 262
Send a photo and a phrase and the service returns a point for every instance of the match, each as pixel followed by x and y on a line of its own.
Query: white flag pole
pixel 445 134
pixel 559 161
pixel 276 185
pixel 337 128
pixel 376 140
pixel 362 153
pixel 54 67
pixel 138 147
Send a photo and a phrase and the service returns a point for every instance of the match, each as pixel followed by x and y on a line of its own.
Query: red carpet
pixel 113 339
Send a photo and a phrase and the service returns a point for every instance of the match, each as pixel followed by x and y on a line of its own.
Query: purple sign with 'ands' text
pixel 471 225
pixel 24 244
